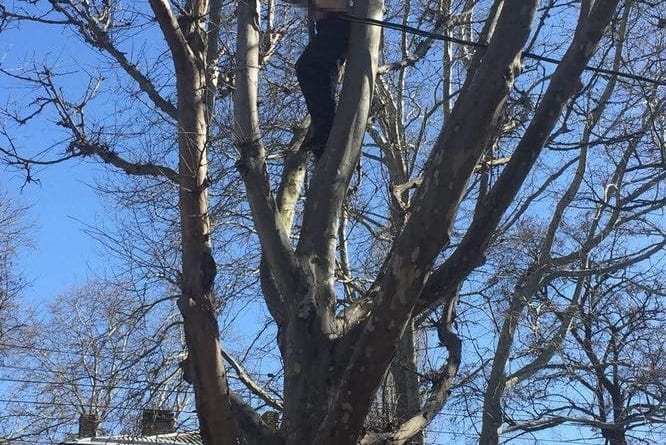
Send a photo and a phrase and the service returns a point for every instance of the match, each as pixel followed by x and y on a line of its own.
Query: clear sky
pixel 61 255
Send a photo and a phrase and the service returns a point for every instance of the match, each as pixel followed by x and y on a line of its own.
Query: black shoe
pixel 318 151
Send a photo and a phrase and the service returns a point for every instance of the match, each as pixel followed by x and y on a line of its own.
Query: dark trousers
pixel 318 70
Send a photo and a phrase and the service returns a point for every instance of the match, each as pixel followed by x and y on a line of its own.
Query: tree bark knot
pixel 305 309
pixel 185 305
pixel 249 155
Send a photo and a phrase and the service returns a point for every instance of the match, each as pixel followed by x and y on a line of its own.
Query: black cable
pixel 53 350
pixel 526 54
pixel 73 405
pixel 76 383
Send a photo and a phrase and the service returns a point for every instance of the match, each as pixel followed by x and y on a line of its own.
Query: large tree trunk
pixel 614 436
pixel 408 265
pixel 333 367
pixel 197 301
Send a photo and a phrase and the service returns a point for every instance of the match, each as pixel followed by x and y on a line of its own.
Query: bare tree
pixel 621 196
pixel 16 323
pixel 607 375
pixel 339 315
pixel 96 353
pixel 14 318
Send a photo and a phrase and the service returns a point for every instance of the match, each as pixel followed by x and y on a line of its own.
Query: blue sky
pixel 61 255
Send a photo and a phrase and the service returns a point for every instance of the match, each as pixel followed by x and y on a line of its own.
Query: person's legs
pixel 314 70
pixel 318 70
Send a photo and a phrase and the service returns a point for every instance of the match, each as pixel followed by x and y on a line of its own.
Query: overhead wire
pixel 90 385
pixel 470 43
pixel 55 351
pixel 70 405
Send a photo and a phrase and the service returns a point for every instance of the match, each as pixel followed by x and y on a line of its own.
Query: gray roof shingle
pixel 191 438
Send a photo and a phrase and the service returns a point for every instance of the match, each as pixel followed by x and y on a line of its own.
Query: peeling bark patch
pixel 347 408
pixel 397 265
pixel 415 254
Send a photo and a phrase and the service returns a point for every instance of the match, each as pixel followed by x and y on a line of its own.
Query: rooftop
pixel 191 438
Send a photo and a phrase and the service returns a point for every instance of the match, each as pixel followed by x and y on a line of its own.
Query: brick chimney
pixel 157 421
pixel 88 424
pixel 272 419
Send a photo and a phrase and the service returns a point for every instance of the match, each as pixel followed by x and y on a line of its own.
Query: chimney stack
pixel 88 424
pixel 272 419
pixel 157 421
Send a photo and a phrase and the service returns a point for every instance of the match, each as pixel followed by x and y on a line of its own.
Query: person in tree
pixel 318 68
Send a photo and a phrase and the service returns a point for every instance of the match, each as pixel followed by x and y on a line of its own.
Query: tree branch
pixel 99 38
pixel 249 423
pixel 288 193
pixel 249 383
pixel 563 85
pixel 276 245
pixel 212 56
pixel 328 188
pixel 131 168
pixel 182 54
pixel 439 395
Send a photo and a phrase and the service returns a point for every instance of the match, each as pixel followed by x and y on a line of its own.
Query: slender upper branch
pixel 563 85
pixel 250 383
pixel 90 29
pixel 131 168
pixel 212 55
pixel 275 243
pixel 183 55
